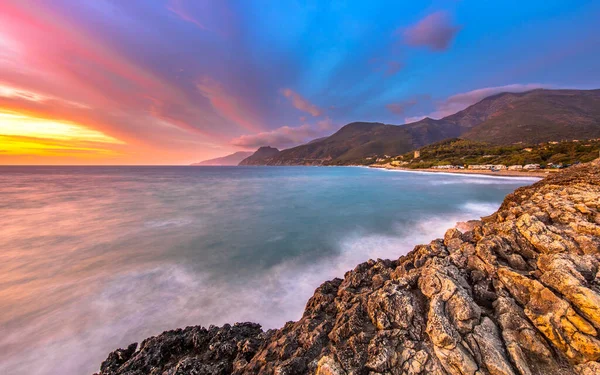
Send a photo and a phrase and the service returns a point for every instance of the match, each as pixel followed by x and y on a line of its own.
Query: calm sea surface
pixel 94 258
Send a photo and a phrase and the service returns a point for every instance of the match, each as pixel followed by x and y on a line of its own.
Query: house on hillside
pixel 515 168
pixel 530 167
pixel 447 166
pixel 481 167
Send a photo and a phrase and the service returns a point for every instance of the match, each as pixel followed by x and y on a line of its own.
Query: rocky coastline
pixel 517 292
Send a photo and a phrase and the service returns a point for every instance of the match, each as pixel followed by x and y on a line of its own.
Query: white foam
pixel 140 303
pixel 481 208
pixel 466 175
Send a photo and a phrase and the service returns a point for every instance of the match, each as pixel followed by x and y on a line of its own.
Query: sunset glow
pixel 179 81
pixel 12 124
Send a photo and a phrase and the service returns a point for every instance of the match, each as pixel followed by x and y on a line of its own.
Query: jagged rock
pixel 515 293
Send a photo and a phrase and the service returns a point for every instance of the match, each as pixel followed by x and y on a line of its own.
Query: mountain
pixel 359 140
pixel 529 117
pixel 232 159
pixel 262 156
pixel 516 292
pixel 533 117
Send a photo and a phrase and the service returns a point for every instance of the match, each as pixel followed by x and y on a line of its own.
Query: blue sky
pixel 183 80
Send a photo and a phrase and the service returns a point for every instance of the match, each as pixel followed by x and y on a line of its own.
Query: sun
pixel 23 135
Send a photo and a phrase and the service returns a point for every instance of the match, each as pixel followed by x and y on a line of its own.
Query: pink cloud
pixel 206 15
pixel 177 7
pixel 229 106
pixel 393 67
pixel 399 108
pixel 285 136
pixel 435 31
pixel 55 68
pixel 301 103
pixel 411 119
pixel 325 124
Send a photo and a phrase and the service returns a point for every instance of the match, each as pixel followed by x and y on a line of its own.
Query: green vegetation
pixel 464 152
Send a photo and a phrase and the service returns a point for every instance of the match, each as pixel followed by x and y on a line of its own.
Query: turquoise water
pixel 92 259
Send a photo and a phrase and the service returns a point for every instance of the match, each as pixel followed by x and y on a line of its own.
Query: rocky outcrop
pixel 515 293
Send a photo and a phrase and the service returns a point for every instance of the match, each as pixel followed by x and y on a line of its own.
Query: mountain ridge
pixel 231 159
pixel 533 116
pixel 262 156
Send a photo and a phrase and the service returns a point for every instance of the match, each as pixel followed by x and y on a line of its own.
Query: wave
pixel 480 208
pixel 466 176
pixel 137 304
pixel 476 180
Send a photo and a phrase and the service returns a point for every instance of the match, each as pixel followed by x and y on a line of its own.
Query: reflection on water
pixel 95 258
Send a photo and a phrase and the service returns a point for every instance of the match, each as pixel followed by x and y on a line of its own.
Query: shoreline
pixel 503 173
pixel 409 292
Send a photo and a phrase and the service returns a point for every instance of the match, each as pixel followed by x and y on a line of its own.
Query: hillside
pixel 232 159
pixel 351 141
pixel 503 119
pixel 538 116
pixel 262 156
pixel 355 141
pixel 466 152
pixel 515 293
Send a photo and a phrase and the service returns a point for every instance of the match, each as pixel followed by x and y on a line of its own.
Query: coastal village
pixel 463 156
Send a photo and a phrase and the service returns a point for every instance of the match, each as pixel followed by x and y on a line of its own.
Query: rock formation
pixel 515 293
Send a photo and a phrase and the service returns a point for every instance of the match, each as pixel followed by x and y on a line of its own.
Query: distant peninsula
pixel 232 159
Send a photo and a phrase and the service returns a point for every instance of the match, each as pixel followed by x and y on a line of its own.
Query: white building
pixel 531 166
pixel 448 166
pixel 479 167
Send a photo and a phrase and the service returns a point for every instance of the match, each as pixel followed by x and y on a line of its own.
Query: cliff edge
pixel 515 293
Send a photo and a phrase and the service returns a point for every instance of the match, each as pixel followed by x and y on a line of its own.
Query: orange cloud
pixel 31 150
pixel 435 32
pixel 301 103
pixel 23 137
pixel 53 69
pixel 285 136
pixel 16 124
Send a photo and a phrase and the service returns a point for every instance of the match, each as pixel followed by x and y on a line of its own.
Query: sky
pixel 178 81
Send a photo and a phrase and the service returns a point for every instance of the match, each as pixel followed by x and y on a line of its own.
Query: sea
pixel 95 258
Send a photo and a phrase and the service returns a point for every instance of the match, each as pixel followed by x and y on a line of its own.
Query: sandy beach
pixel 504 173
